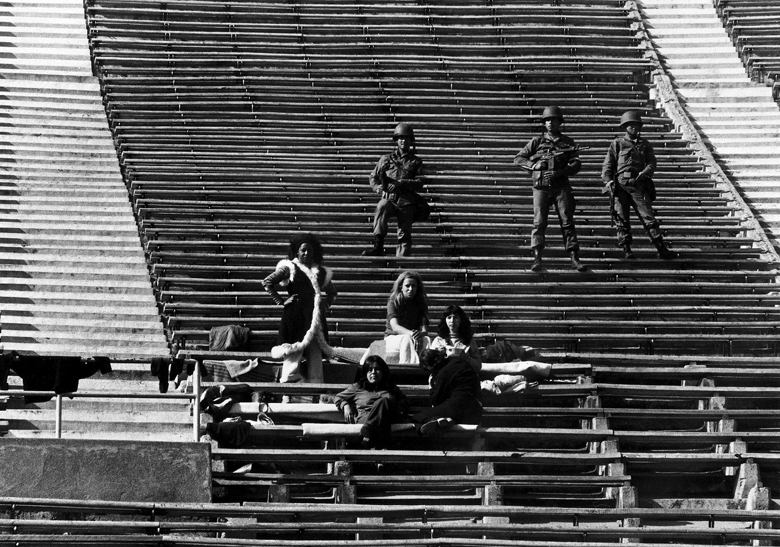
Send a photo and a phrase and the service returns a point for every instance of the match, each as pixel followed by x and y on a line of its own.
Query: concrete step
pixel 115 337
pixel 86 347
pixel 85 311
pixel 105 421
pixel 137 286
pixel 150 326
pixel 146 436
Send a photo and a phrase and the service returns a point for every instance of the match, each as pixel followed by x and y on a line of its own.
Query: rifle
pixel 548 154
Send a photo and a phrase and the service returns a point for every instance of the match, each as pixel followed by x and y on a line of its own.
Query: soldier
pixel 552 158
pixel 628 174
pixel 396 178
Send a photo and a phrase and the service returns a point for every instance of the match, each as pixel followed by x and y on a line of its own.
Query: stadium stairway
pixel 74 279
pixel 234 133
pixel 736 116
pixel 235 130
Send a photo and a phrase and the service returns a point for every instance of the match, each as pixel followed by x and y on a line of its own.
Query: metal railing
pixel 194 397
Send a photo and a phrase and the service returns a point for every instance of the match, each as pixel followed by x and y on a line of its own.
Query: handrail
pixel 194 396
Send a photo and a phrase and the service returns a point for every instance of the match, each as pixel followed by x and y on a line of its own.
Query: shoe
pixel 537 264
pixel 576 264
pixel 374 251
pixel 665 253
pixel 627 253
pixel 436 427
pixel 378 249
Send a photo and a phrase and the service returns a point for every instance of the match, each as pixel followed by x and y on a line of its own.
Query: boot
pixel 628 254
pixel 537 265
pixel 575 262
pixel 404 248
pixel 663 251
pixel 378 249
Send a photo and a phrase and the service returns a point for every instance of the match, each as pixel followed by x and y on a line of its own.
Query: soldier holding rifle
pixel 397 178
pixel 552 158
pixel 627 173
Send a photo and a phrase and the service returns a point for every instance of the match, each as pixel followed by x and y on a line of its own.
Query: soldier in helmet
pixel 627 173
pixel 397 178
pixel 552 158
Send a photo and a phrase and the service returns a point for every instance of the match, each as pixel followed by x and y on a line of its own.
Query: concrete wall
pixel 107 470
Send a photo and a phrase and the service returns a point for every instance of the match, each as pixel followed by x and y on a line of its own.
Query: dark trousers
pixel 627 197
pixel 563 199
pixel 404 214
pixel 383 413
pixel 462 410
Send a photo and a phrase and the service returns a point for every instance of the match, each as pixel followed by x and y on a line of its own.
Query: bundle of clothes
pixel 60 374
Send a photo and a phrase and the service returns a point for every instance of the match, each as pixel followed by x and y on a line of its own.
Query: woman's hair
pixel 378 362
pixel 316 247
pixel 420 297
pixel 431 360
pixel 464 329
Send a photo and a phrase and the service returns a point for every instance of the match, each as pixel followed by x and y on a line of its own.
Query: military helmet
pixel 552 112
pixel 403 130
pixel 630 116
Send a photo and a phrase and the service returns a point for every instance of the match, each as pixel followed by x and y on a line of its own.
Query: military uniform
pixel 551 186
pixel 397 178
pixel 628 173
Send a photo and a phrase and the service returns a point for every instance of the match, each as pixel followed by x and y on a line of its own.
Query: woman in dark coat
pixel 454 396
pixel 304 330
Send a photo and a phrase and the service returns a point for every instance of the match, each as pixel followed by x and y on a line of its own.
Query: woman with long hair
pixel 374 401
pixel 303 331
pixel 455 337
pixel 406 329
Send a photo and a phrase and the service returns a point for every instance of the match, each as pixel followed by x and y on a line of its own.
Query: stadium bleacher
pixel 237 125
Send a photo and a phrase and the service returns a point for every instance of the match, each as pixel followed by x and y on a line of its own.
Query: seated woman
pixel 455 337
pixel 374 401
pixel 455 393
pixel 406 330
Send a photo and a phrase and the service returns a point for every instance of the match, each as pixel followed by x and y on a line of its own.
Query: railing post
pixel 58 418
pixel 196 402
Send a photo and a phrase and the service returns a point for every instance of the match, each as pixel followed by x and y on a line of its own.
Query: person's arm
pixel 439 343
pixel 608 166
pixel 523 157
pixel 269 284
pixel 573 165
pixel 345 402
pixel 473 357
pixel 330 294
pixel 415 178
pixel 650 163
pixel 377 177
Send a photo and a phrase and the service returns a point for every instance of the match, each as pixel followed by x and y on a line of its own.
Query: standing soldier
pixel 397 178
pixel 552 158
pixel 628 174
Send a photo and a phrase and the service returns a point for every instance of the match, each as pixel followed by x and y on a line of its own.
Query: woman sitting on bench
pixel 406 330
pixel 455 337
pixel 374 401
pixel 455 393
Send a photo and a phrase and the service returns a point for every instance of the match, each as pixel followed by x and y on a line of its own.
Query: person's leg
pixel 313 354
pixel 622 217
pixel 542 200
pixel 564 206
pixel 376 427
pixel 291 368
pixel 647 216
pixel 384 210
pixel 405 217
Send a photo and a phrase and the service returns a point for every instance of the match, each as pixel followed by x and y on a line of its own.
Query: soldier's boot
pixel 404 248
pixel 664 252
pixel 575 262
pixel 537 264
pixel 378 249
pixel 628 254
